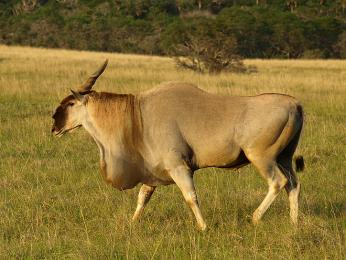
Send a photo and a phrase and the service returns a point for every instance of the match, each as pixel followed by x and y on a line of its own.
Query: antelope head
pixel 70 113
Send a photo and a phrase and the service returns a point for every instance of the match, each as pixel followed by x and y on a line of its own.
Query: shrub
pixel 313 54
pixel 213 55
pixel 340 46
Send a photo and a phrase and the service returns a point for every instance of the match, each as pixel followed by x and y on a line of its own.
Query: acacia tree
pixel 288 37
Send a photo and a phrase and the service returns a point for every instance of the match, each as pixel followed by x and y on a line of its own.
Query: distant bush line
pixel 260 28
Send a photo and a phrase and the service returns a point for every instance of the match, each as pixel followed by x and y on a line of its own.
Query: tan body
pixel 162 136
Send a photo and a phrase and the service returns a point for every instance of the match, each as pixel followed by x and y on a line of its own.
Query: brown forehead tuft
pixel 67 99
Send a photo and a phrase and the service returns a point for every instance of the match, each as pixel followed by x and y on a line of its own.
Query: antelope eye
pixel 71 104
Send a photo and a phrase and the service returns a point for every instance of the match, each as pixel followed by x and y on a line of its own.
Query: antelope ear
pixel 78 96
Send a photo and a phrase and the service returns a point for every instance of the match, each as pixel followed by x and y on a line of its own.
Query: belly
pixel 156 176
pixel 225 156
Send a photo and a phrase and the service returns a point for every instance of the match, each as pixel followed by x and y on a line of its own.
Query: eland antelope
pixel 162 136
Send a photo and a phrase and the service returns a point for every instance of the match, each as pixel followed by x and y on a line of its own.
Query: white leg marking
pixel 144 195
pixel 276 183
pixel 183 178
pixel 293 198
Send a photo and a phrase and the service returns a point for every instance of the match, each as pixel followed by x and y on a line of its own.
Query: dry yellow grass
pixel 54 204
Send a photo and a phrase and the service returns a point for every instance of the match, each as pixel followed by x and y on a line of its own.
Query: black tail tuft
pixel 300 165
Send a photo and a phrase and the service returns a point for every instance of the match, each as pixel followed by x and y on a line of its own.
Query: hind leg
pixel 293 196
pixel 292 187
pixel 276 181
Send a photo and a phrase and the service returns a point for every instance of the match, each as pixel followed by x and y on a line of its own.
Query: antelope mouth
pixel 61 132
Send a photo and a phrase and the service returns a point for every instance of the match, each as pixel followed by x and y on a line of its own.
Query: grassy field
pixel 54 203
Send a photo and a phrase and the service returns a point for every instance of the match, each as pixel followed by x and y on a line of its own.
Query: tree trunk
pixel 292 4
pixel 199 4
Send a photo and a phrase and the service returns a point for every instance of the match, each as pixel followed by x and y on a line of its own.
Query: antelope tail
pixel 300 165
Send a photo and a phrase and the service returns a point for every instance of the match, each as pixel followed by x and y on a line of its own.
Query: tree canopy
pixel 261 28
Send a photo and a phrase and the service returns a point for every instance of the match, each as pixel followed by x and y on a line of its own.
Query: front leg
pixel 182 176
pixel 144 195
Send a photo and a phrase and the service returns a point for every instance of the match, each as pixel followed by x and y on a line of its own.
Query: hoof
pixel 135 218
pixel 202 227
pixel 294 221
pixel 255 219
